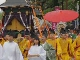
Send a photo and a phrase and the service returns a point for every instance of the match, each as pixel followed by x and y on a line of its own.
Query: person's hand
pixel 37 55
pixel 33 55
pixel 27 49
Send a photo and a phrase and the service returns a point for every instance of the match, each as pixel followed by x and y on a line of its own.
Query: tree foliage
pixel 48 5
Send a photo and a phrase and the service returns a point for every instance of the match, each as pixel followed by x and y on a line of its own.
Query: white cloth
pixel 11 51
pixel 1 51
pixel 37 50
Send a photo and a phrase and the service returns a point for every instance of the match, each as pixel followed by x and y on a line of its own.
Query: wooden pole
pixel 62 4
pixel 37 22
pixel 66 4
pixel 44 24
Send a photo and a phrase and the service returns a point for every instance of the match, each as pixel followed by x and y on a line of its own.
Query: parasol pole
pixel 66 4
pixel 44 24
pixel 37 21
pixel 62 4
pixel 78 12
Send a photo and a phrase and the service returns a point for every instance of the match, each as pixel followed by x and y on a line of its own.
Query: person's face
pixel 43 39
pixel 32 39
pixel 36 42
pixel 51 36
pixel 63 36
pixel 67 35
pixel 27 37
pixel 7 37
pixel 79 34
pixel 71 31
pixel 10 38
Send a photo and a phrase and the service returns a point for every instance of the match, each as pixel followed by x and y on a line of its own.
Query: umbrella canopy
pixel 61 15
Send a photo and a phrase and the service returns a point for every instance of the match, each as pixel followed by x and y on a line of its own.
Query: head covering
pixel 27 32
pixel 52 30
pixel 34 35
pixel 63 31
pixel 11 33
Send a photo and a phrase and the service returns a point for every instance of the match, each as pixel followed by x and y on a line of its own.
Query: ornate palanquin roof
pixel 15 3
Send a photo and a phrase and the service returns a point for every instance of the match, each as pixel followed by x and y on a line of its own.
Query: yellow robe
pixel 15 40
pixel 76 46
pixel 26 45
pixel 51 42
pixel 3 41
pixel 71 47
pixel 65 46
pixel 69 39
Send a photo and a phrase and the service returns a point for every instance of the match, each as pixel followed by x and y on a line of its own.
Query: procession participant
pixel 11 50
pixel 26 46
pixel 73 34
pixel 19 41
pixel 50 51
pixel 1 49
pixel 76 46
pixel 68 37
pixel 25 42
pixel 55 44
pixel 52 40
pixel 6 37
pixel 3 41
pixel 71 48
pixel 36 51
pixel 65 46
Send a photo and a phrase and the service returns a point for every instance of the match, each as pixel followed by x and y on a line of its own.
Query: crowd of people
pixel 66 46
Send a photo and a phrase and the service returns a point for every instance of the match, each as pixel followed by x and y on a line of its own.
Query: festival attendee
pixel 70 41
pixel 19 42
pixel 52 40
pixel 36 51
pixel 26 46
pixel 65 46
pixel 50 51
pixel 3 41
pixel 73 34
pixel 55 44
pixel 76 46
pixel 1 49
pixel 11 50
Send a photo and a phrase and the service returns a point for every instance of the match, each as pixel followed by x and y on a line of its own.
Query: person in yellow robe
pixel 1 49
pixel 19 41
pixel 70 41
pixel 5 39
pixel 55 43
pixel 76 46
pixel 52 40
pixel 65 46
pixel 68 37
pixel 26 45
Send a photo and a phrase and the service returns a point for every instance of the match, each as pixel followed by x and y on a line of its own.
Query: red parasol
pixel 61 15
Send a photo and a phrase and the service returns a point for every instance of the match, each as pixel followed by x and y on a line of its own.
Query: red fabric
pixel 61 15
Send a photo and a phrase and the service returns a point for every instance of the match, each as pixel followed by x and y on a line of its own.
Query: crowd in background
pixel 65 46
